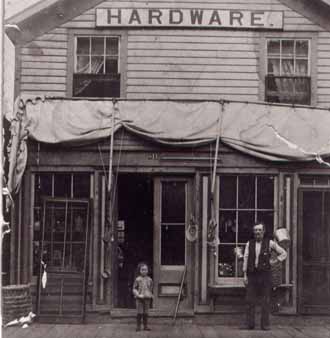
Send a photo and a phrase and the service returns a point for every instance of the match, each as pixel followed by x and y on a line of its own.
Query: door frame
pixel 300 305
pixel 157 238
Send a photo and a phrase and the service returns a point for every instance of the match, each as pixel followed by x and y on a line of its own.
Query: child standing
pixel 142 290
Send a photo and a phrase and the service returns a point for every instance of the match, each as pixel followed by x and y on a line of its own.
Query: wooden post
pixel 1 140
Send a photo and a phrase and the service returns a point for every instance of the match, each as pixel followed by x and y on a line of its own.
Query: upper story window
pixel 96 67
pixel 288 77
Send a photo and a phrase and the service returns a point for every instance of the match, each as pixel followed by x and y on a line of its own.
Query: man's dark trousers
pixel 258 291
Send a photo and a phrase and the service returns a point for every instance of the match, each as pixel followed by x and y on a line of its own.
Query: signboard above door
pixel 188 18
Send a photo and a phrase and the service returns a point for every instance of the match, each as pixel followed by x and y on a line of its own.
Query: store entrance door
pixel 173 252
pixel 314 251
pixel 134 235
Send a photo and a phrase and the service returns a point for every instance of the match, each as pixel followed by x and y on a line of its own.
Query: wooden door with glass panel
pixel 172 256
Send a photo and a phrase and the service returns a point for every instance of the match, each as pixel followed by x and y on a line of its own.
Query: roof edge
pixel 53 13
pixel 25 13
pixel 49 14
pixel 315 10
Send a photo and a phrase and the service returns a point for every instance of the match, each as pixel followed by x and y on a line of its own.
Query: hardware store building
pixel 160 131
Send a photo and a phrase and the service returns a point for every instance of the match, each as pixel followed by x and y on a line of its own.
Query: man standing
pixel 257 274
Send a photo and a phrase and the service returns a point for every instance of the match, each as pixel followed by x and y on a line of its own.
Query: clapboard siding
pixel 35 65
pixel 175 63
pixel 44 64
pixel 323 67
pixel 182 60
pixel 168 68
pixel 140 75
pixel 182 52
pixel 195 96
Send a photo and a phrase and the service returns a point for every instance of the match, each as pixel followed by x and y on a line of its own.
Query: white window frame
pixel 238 281
pixel 104 55
pixel 263 64
pixel 294 56
pixel 122 35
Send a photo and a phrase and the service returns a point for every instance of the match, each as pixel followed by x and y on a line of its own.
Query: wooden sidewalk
pixel 180 330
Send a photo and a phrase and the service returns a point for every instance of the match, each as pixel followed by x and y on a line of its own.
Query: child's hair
pixel 139 266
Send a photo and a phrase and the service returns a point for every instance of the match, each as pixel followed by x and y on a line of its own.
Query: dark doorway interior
pixel 135 232
pixel 315 258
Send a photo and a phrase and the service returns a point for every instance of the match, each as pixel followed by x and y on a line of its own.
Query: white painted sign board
pixel 188 18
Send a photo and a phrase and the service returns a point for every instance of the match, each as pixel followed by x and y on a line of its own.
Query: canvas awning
pixel 273 132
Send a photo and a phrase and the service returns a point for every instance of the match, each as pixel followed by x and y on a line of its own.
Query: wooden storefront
pixel 160 191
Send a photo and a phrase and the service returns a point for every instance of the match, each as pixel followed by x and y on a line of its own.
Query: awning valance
pixel 267 131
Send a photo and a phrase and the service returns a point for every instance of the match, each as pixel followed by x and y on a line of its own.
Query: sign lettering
pixel 214 18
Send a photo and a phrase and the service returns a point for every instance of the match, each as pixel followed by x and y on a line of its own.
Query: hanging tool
pixel 212 239
pixel 180 295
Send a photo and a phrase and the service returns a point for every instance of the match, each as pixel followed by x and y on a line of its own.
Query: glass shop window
pixel 67 185
pixel 288 77
pixel 173 221
pixel 243 200
pixel 96 67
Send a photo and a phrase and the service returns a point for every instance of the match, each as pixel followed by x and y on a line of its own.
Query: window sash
pixel 294 56
pixel 286 89
pixel 91 55
pixel 234 280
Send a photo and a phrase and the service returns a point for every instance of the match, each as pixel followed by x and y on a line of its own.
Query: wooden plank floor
pixel 180 330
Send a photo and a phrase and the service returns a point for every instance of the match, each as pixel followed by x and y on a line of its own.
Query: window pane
pixel 226 261
pixel 273 47
pixel 43 187
pixel 97 65
pixel 111 65
pixel 77 257
pixel 287 67
pixel 173 202
pixel 83 46
pixel 98 46
pixel 227 227
pixel 112 46
pixel 228 192
pixel 57 256
pixel 36 258
pixel 85 86
pixel 267 217
pixel 62 185
pixel 302 90
pixel 81 185
pixel 246 221
pixel 301 67
pixel 246 192
pixel 287 87
pixel 287 47
pixel 302 48
pixel 173 245
pixel 82 66
pixel 274 66
pixel 37 223
pixel 265 192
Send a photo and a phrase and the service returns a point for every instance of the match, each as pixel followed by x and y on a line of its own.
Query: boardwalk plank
pixel 315 332
pixel 166 330
pixel 208 331
pixel 33 331
pixel 294 332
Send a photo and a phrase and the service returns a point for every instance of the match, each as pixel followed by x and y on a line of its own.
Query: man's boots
pixel 138 322
pixel 145 322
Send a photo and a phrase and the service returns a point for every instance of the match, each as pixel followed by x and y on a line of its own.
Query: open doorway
pixel 135 232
